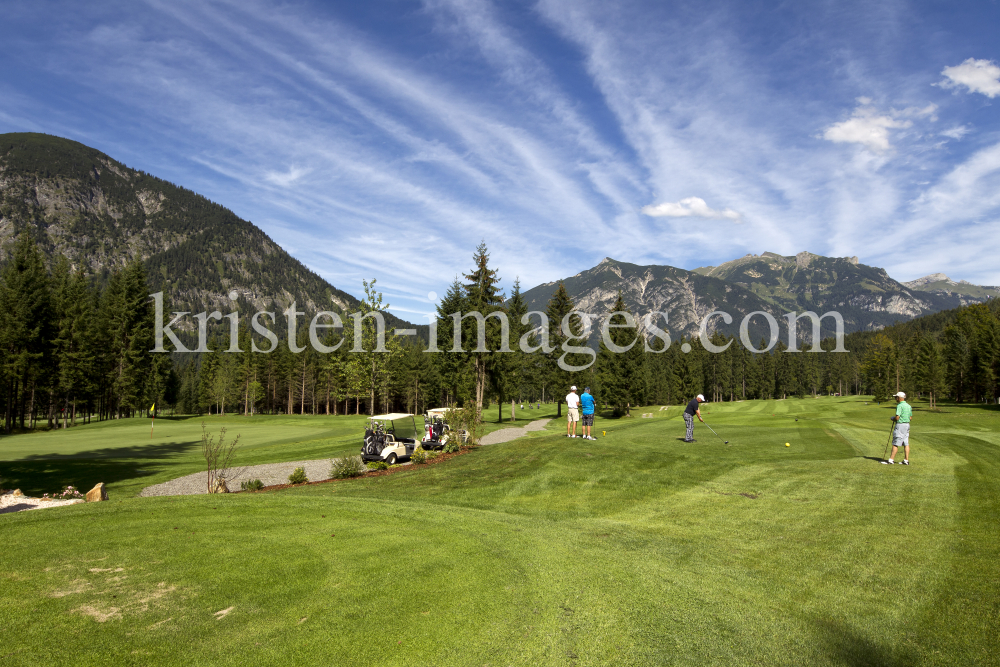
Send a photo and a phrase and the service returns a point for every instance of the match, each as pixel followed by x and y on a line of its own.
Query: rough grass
pixel 634 549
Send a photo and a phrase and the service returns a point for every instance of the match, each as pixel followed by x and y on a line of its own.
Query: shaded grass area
pixel 631 550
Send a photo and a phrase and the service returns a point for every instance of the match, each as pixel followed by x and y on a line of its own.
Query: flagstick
pixel 151 427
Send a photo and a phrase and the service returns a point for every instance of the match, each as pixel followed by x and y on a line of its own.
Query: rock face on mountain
pixel 101 215
pixel 962 292
pixel 865 296
pixel 686 297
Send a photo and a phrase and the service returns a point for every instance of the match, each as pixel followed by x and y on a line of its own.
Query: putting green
pixel 634 549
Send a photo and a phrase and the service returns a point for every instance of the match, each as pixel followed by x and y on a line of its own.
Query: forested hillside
pixel 79 203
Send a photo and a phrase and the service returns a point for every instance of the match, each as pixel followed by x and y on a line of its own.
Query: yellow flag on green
pixel 153 408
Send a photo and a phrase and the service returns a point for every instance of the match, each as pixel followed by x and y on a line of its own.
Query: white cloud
pixel 956 132
pixel 690 206
pixel 979 76
pixel 867 128
pixel 284 179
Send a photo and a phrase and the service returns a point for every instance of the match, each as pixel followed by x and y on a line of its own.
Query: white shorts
pixel 573 415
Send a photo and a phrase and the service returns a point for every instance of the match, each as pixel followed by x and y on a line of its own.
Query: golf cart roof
pixel 392 416
pixel 438 411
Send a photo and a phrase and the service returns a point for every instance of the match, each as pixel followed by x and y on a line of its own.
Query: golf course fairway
pixel 635 549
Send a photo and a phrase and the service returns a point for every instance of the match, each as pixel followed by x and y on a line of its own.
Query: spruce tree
pixel 930 370
pixel 622 374
pixel 558 379
pixel 26 329
pixel 483 295
pixel 453 366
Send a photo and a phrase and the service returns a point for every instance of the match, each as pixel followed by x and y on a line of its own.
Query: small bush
pixel 418 456
pixel 433 455
pixel 251 485
pixel 348 466
pixel 378 465
pixel 450 447
pixel 68 493
pixel 465 423
pixel 298 476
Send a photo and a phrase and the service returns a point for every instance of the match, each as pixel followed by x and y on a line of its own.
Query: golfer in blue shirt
pixel 587 413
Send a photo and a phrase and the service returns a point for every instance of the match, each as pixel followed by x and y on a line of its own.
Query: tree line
pixel 74 347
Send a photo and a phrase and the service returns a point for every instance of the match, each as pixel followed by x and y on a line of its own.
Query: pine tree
pixel 622 374
pixel 26 329
pixel 956 353
pixel 371 368
pixel 515 367
pixel 879 367
pixel 930 370
pixel 559 379
pixel 483 295
pixel 453 366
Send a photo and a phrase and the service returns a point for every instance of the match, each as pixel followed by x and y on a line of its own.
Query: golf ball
pixel 787 445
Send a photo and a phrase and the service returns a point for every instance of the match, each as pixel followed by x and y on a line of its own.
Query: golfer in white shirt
pixel 573 413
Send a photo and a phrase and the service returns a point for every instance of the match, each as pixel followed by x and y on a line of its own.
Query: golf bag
pixel 374 439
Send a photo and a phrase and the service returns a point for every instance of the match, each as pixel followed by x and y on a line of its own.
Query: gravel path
pixel 11 503
pixel 277 473
pixel 508 434
pixel 269 473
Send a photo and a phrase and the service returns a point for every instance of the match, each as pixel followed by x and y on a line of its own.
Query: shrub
pixel 251 485
pixel 451 447
pixel 433 455
pixel 418 456
pixel 465 420
pixel 298 476
pixel 348 466
pixel 378 465
pixel 68 493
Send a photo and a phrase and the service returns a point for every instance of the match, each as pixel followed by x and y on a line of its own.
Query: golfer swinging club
pixel 690 413
pixel 901 434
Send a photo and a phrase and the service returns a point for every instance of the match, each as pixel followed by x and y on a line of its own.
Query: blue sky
pixel 386 139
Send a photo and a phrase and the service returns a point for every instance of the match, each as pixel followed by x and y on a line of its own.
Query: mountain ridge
pixel 866 296
pixel 101 214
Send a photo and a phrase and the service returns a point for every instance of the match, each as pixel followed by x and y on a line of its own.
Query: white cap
pixel 573 388
pixel 701 397
pixel 900 394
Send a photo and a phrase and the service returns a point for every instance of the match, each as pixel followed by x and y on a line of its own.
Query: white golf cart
pixel 436 431
pixel 390 438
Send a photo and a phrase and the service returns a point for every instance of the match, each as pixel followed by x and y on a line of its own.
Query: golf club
pixel 891 432
pixel 716 434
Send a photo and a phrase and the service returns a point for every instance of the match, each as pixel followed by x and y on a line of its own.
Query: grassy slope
pixel 635 549
pixel 124 456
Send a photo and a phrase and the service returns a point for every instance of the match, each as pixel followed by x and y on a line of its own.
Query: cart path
pixel 508 434
pixel 268 473
pixel 277 473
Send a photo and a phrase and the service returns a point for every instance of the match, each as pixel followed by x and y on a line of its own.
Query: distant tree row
pixel 73 347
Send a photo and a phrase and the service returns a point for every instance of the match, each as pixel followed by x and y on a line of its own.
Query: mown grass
pixel 634 549
pixel 122 454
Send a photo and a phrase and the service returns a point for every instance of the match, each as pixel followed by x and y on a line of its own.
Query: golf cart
pixel 436 431
pixel 390 438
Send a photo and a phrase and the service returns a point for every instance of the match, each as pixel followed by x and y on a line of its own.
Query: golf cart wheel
pixel 391 460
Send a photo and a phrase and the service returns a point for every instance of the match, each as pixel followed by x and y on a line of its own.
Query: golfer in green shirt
pixel 901 434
